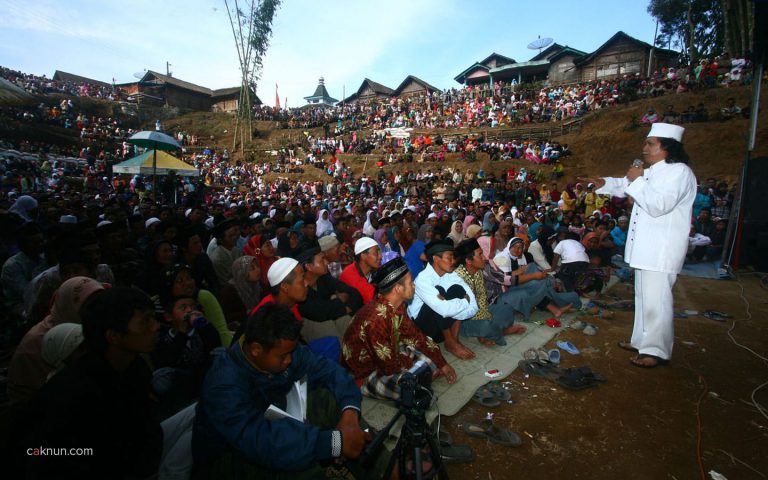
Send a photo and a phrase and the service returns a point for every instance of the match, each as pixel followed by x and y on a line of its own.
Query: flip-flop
pixel 573 379
pixel 554 356
pixel 591 330
pixel 659 362
pixel 536 369
pixel 587 372
pixel 501 393
pixel 627 346
pixel 543 355
pixel 578 325
pixel 531 354
pixel 485 397
pixel 457 453
pixel 494 433
pixel 568 347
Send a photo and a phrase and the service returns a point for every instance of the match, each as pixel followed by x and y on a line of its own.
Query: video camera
pixel 416 387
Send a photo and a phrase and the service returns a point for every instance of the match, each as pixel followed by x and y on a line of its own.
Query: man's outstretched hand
pixel 599 182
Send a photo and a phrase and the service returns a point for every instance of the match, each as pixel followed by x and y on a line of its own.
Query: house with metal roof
pixel 624 55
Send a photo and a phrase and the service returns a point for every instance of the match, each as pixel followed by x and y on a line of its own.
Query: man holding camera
pixel 382 342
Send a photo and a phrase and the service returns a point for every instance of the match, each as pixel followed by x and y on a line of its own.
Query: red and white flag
pixel 277 98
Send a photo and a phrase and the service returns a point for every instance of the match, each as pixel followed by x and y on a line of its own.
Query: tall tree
pixel 251 23
pixel 694 26
pixel 738 23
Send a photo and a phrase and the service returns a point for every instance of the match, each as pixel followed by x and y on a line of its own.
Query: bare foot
pixel 486 342
pixel 559 311
pixel 459 350
pixel 515 330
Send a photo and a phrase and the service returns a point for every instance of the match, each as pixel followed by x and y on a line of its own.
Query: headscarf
pixel 393 244
pixel 28 369
pixel 59 343
pixel 468 220
pixel 487 224
pixel 22 206
pixel 368 228
pixel 516 260
pixel 585 241
pixel 532 231
pixel 249 292
pixel 264 262
pixel 324 227
pixel 453 235
pixel 413 256
pixel 485 245
pixel 421 236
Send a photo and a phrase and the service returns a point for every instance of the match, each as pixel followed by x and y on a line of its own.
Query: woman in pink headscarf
pixel 28 369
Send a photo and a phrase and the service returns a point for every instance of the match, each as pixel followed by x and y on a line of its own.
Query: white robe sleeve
pixel 614 187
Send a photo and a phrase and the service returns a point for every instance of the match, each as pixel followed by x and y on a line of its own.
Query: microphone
pixel 637 163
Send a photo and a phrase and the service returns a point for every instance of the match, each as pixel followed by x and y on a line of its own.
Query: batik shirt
pixel 373 339
pixel 477 283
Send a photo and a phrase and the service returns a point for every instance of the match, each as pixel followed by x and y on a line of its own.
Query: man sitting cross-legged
pixel 488 326
pixel 442 299
pixel 382 342
pixel 233 435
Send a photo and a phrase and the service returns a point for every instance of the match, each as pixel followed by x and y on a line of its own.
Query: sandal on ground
pixel 457 453
pixel 578 325
pixel 568 347
pixel 554 356
pixel 574 379
pixel 627 346
pixel 501 393
pixel 543 355
pixel 591 330
pixel 537 369
pixel 485 397
pixel 531 354
pixel 648 361
pixel 493 433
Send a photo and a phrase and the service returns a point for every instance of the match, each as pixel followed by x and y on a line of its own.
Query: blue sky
pixel 342 40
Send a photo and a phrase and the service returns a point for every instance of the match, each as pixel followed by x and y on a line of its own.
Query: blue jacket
pixel 234 397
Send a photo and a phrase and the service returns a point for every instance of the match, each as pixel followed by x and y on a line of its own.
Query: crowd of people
pixel 37 85
pixel 340 281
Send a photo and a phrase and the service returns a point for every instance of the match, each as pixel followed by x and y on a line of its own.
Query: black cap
pixel 436 247
pixel 466 248
pixel 389 273
pixel 307 256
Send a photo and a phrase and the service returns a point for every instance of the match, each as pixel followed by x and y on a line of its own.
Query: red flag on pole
pixel 277 98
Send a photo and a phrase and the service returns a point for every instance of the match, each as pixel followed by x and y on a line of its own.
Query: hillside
pixel 605 145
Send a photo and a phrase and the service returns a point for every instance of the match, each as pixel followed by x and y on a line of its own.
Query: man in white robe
pixel 657 239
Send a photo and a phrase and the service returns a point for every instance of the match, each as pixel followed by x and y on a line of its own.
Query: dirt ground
pixel 673 422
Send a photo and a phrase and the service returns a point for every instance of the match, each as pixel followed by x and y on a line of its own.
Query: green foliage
pixel 694 26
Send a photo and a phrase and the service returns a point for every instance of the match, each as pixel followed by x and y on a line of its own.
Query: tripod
pixel 415 435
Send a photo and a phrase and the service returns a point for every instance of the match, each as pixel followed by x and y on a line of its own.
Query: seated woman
pixel 243 292
pixel 29 370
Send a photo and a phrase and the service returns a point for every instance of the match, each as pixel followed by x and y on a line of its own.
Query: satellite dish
pixel 540 43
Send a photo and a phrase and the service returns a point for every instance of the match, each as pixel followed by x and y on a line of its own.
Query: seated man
pixel 730 110
pixel 488 328
pixel 383 342
pixel 357 274
pixel 232 432
pixel 102 402
pixel 330 303
pixel 442 299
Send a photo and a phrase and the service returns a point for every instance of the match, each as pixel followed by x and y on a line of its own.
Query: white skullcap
pixel 280 269
pixel 187 212
pixel 69 219
pixel 102 223
pixel 503 262
pixel 60 341
pixel 364 244
pixel 432 215
pixel 151 221
pixel 667 130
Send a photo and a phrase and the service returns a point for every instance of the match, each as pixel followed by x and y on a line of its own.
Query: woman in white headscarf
pixel 324 225
pixel 369 229
pixel 61 345
pixel 457 232
pixel 24 207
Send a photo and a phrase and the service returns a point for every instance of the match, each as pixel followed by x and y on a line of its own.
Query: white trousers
pixel 176 461
pixel 654 331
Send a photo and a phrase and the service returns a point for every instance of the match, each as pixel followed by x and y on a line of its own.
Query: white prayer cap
pixel 69 219
pixel 503 262
pixel 187 212
pixel 667 130
pixel 60 341
pixel 151 221
pixel 364 244
pixel 280 269
pixel 432 215
pixel 102 223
